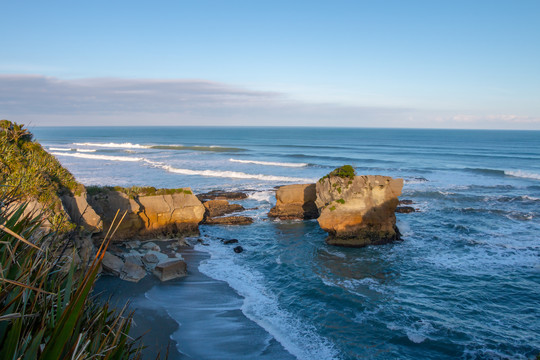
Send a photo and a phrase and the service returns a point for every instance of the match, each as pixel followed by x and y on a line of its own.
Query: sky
pixel 427 64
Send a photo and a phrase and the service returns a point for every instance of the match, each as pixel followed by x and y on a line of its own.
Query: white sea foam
pixel 522 174
pixel 262 196
pixel 59 149
pixel 86 150
pixel 99 157
pixel 269 163
pixel 115 145
pixel 262 306
pixel 233 174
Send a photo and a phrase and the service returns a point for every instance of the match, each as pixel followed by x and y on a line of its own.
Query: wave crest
pixel 99 157
pixel 269 163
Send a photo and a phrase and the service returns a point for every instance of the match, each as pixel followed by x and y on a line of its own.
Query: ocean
pixel 464 282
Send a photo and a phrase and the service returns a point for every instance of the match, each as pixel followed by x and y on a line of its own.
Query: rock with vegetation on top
pixel 295 202
pixel 150 212
pixel 358 210
pixel 170 270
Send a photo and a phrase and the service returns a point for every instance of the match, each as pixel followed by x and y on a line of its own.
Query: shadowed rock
pixel 170 270
pixel 230 220
pixel 216 208
pixel 295 202
pixel 359 210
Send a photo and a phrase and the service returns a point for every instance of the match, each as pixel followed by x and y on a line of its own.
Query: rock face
pixel 358 210
pixel 171 270
pixel 295 202
pixel 152 215
pixel 81 213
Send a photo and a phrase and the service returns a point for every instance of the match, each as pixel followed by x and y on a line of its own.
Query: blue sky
pixel 449 64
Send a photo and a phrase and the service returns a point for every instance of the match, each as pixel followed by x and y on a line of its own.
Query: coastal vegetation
pixel 344 172
pixel 46 307
pixel 34 174
pixel 136 191
pixel 47 312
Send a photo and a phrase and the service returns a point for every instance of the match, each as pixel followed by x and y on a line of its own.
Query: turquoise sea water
pixel 464 283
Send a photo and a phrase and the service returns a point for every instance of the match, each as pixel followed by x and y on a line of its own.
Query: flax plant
pixel 46 313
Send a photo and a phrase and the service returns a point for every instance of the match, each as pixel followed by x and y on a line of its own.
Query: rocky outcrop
pixel 149 215
pixel 295 202
pixel 216 208
pixel 358 210
pixel 81 213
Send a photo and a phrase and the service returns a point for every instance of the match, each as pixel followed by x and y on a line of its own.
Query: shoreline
pixel 198 316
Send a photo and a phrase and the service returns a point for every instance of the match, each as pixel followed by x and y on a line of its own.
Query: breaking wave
pixel 213 148
pixel 523 174
pixel 269 163
pixel 115 145
pixel 99 157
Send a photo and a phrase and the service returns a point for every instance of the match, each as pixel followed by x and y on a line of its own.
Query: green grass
pixel 344 172
pixel 136 191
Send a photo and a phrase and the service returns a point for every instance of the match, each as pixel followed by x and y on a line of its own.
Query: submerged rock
pixel 358 210
pixel 405 209
pixel 295 202
pixel 230 220
pixel 222 195
pixel 238 249
pixel 170 270
pixel 231 241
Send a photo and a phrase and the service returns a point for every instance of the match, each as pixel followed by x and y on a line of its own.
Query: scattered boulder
pixel 238 249
pixel 150 259
pixel 132 272
pixel 230 220
pixel 295 202
pixel 231 241
pixel 151 246
pixel 222 195
pixel 405 202
pixel 216 208
pixel 112 264
pixel 358 210
pixel 405 209
pixel 134 259
pixel 171 270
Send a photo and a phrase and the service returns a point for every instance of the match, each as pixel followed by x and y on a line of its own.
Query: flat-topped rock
pixel 295 202
pixel 230 220
pixel 169 214
pixel 171 270
pixel 216 208
pixel 358 210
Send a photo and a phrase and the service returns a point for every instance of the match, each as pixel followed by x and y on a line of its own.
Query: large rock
pixel 230 220
pixel 81 212
pixel 358 210
pixel 171 270
pixel 295 202
pixel 151 215
pixel 220 207
pixel 222 195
